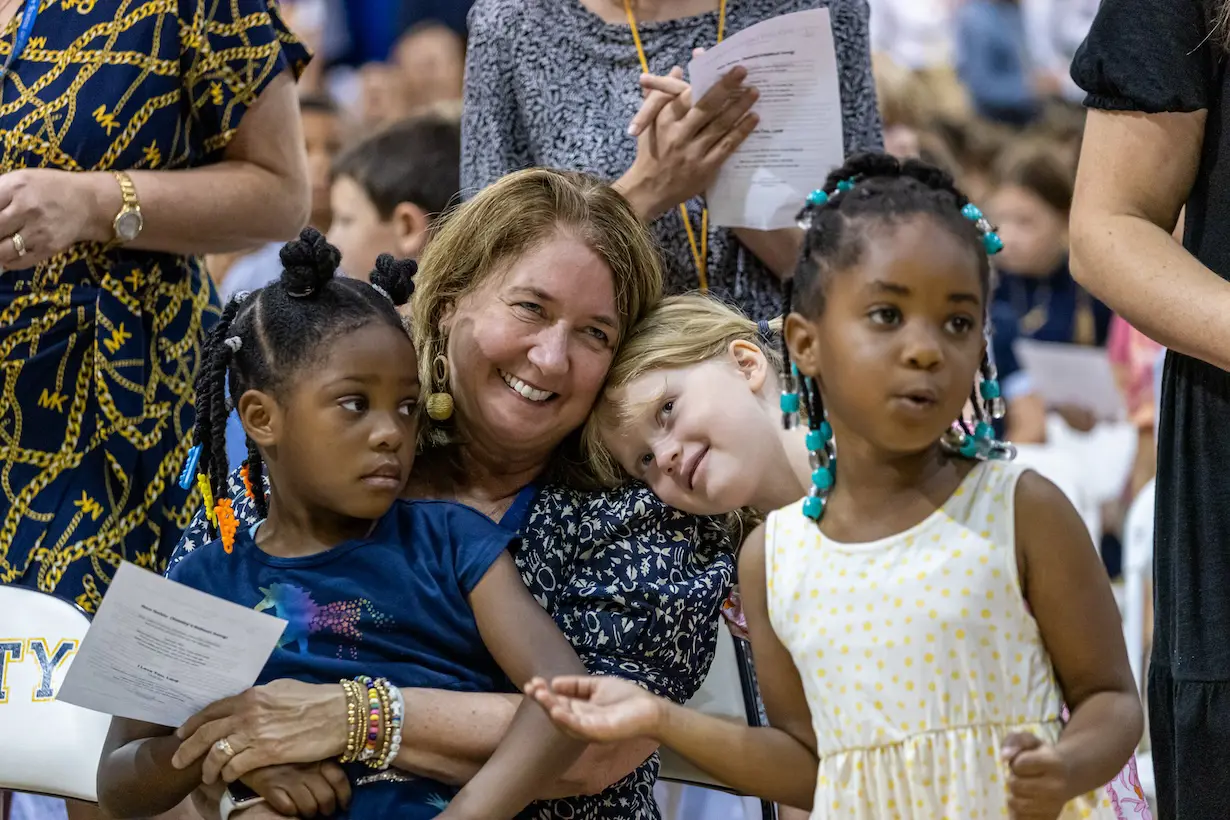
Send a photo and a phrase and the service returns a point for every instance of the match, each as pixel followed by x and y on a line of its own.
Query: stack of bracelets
pixel 374 711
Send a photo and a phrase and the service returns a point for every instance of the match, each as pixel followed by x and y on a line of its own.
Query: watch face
pixel 128 225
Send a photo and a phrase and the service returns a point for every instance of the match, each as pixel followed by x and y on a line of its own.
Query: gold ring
pixel 19 245
pixel 224 746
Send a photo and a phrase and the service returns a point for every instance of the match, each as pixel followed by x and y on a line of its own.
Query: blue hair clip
pixel 189 472
pixel 817 198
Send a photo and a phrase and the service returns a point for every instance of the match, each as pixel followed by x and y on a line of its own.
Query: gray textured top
pixel 549 83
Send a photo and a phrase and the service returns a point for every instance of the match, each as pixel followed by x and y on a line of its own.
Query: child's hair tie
pixel 234 343
pixel 766 332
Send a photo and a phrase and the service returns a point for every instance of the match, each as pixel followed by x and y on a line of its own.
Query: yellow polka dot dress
pixel 918 657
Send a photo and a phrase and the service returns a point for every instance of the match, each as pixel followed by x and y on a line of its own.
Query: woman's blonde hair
pixel 515 215
pixel 680 332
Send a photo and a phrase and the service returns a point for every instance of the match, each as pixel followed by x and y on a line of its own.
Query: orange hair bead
pixel 247 482
pixel 227 524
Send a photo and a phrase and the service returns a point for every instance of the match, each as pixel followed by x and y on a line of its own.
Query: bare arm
pixel 1066 584
pixel 258 193
pixel 777 764
pixel 526 643
pixel 450 735
pixel 1136 172
pixel 135 775
pixel 779 250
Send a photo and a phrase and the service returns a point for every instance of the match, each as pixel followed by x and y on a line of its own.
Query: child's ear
pixel 261 417
pixel 752 363
pixel 803 339
pixel 410 227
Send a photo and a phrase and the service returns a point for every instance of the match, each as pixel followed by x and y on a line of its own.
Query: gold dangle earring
pixel 440 405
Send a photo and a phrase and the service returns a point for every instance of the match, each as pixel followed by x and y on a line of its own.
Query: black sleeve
pixel 1151 56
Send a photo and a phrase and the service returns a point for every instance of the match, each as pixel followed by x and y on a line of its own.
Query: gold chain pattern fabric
pixel 99 346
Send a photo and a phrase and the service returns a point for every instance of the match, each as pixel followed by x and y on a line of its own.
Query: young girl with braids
pixel 912 617
pixel 409 593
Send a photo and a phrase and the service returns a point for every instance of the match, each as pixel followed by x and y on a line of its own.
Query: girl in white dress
pixel 890 610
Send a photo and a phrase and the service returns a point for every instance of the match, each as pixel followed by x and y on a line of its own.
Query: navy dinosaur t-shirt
pixel 392 605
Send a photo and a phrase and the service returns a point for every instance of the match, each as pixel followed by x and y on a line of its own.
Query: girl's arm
pixel 135 775
pixel 525 642
pixel 777 764
pixel 1068 592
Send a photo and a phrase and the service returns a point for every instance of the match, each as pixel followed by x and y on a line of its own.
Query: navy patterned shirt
pixel 634 585
pixel 549 83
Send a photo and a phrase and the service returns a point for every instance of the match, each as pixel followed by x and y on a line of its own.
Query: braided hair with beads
pixel 840 220
pixel 263 341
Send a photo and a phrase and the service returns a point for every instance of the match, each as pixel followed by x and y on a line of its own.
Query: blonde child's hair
pixel 680 331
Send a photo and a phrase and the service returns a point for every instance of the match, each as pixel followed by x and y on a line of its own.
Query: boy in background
pixel 389 190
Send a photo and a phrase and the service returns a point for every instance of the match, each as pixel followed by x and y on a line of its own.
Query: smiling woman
pixel 521 301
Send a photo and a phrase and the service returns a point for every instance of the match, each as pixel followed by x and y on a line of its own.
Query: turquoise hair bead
pixel 969 448
pixel 984 431
pixel 845 185
pixel 815 442
pixel 790 402
pixel 822 479
pixel 992 243
pixel 989 389
pixel 826 431
pixel 817 198
pixel 189 472
pixel 813 507
pixel 971 212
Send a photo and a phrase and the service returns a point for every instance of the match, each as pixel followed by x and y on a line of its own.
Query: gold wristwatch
pixel 129 221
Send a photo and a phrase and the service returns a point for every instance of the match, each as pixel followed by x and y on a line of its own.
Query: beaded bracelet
pixel 374 721
pixel 355 701
pixel 399 714
pixel 381 688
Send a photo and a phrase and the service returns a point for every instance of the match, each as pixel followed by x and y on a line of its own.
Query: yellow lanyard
pixel 701 254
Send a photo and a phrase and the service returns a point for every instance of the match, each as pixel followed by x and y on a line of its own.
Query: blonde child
pixel 912 616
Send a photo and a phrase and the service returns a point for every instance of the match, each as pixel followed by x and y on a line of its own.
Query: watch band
pixel 230 805
pixel 127 190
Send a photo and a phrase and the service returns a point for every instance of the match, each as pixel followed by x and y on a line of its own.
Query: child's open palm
pixel 598 709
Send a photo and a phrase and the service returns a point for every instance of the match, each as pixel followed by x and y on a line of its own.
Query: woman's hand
pixel 599 709
pixel 51 210
pixel 679 155
pixel 281 722
pixel 303 790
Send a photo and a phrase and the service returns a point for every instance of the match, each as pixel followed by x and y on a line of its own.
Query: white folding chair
pixel 728 692
pixel 46 747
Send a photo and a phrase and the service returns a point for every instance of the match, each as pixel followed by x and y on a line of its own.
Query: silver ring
pixel 224 746
pixel 19 245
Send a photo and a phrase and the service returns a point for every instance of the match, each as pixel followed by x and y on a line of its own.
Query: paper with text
pixel 1073 375
pixel 159 652
pixel 792 62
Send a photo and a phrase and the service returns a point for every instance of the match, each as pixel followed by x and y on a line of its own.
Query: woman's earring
pixel 440 405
